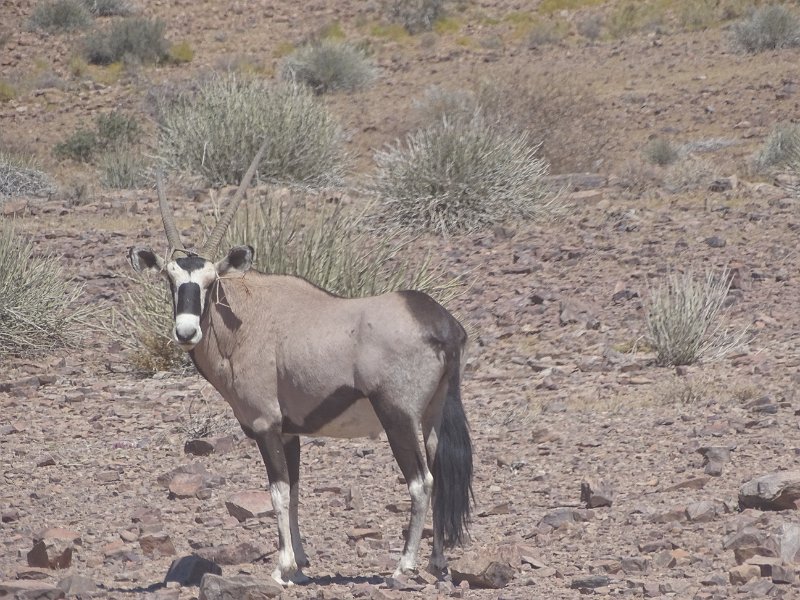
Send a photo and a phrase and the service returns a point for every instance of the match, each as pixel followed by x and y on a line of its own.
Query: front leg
pixel 270 443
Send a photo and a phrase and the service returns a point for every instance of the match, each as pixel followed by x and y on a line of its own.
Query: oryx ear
pixel 144 259
pixel 239 260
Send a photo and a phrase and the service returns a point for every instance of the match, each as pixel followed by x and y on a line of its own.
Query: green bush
pixel 20 177
pixel 414 15
pixel 131 39
pixel 111 130
pixel 659 151
pixel 685 321
pixel 781 148
pixel 80 146
pixel 328 65
pixel 109 8
pixel 215 129
pixel 117 128
pixel 459 176
pixel 329 246
pixel 39 310
pixel 60 15
pixel 768 28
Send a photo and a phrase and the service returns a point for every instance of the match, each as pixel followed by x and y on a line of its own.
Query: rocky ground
pixel 558 391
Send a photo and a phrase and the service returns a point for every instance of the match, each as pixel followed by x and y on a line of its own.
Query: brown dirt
pixel 550 404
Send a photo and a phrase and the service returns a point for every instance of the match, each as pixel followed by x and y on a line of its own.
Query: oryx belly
pixel 344 414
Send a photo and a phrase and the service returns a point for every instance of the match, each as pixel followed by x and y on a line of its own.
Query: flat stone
pixel 157 544
pixel 77 584
pixel 30 590
pixel 250 504
pixel 596 493
pixel 189 570
pixel 741 574
pixel 774 491
pixel 215 587
pixel 484 568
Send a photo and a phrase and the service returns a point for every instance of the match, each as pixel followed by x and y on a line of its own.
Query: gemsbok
pixel 292 359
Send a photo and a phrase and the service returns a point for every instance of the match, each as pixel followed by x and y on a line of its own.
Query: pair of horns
pixel 213 241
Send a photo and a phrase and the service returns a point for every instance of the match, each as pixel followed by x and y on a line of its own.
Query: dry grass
pixel 329 65
pixel 39 310
pixel 21 177
pixel 685 319
pixel 328 245
pixel 768 28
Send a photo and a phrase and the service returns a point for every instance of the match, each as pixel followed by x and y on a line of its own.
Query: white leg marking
pixel 420 498
pixel 287 566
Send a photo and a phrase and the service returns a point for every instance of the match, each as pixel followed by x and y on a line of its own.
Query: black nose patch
pixel 188 299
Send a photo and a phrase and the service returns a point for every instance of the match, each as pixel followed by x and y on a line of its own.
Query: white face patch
pixel 190 279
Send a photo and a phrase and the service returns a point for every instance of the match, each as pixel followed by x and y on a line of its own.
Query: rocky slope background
pixel 597 471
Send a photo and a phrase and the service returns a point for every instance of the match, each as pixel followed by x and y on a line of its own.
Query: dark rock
pixel 198 447
pixel 157 544
pixel 589 583
pixel 775 491
pixel 189 570
pixel 596 493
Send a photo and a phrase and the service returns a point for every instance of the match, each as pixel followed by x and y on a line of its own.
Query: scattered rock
pixel 743 573
pixel 775 491
pixel 53 548
pixel 702 512
pixel 73 585
pixel 30 590
pixel 561 516
pixel 485 568
pixel 157 544
pixel 215 587
pixel 232 554
pixel 250 504
pixel 591 582
pixel 189 570
pixel 199 447
pixel 596 493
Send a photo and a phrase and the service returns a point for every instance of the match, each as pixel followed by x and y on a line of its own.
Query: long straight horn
pixel 212 243
pixel 167 217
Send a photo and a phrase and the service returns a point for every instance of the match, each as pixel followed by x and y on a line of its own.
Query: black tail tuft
pixel 452 467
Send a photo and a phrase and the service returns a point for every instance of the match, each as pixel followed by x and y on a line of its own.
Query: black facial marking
pixel 188 299
pixel 191 263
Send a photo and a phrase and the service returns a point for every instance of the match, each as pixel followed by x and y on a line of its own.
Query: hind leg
pixel 438 562
pixel 403 435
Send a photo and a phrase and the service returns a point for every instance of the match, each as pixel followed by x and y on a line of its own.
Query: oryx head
pixel 191 273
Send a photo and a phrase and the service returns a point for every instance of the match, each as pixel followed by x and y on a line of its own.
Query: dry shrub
pixel 781 148
pixel 60 15
pixel 215 128
pixel 685 319
pixel 661 152
pixel 458 176
pixel 690 174
pixel 768 28
pixel 146 318
pixel 21 177
pixel 415 16
pixel 329 65
pixel 124 168
pixel 329 246
pixel 133 39
pixel 39 310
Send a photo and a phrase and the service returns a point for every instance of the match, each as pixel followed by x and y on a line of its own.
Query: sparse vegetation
pixel 415 16
pixel 124 168
pixel 329 246
pixel 111 130
pixel 147 319
pixel 181 53
pixel 328 65
pixel 781 148
pixel 659 151
pixel 60 15
pixel 551 6
pixel 216 129
pixel 39 310
pixel 109 8
pixel 7 91
pixel 768 28
pixel 132 39
pixel 685 320
pixel 690 173
pixel 543 33
pixel 459 176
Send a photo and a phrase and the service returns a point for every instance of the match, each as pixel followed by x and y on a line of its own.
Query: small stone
pixel 30 590
pixel 198 447
pixel 561 516
pixel 157 544
pixel 596 493
pixel 781 574
pixel 716 242
pixel 592 582
pixel 484 568
pixel 186 485
pixel 701 512
pixel 695 483
pixel 232 554
pixel 775 491
pixel 743 573
pixel 365 532
pixel 250 504
pixel 73 585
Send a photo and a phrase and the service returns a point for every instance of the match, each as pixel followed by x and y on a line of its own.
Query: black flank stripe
pixel 188 299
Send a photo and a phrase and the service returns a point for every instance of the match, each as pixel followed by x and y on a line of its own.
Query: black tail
pixel 452 466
